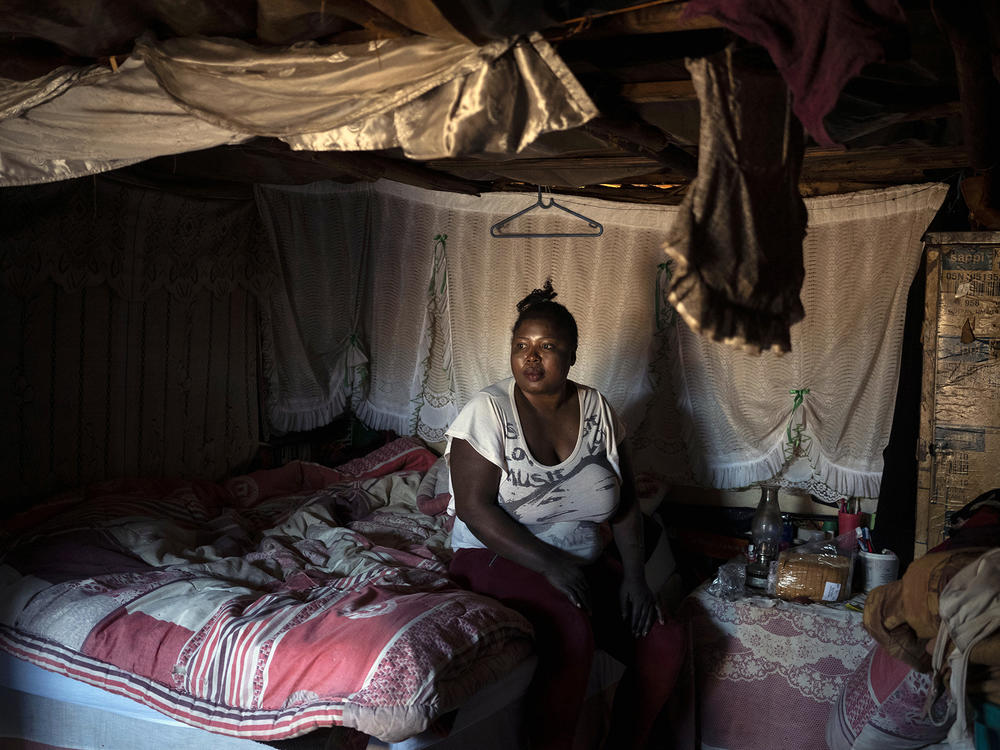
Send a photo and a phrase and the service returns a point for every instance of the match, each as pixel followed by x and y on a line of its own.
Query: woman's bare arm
pixel 475 482
pixel 639 607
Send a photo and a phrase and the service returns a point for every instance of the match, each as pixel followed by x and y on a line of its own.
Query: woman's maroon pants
pixel 565 639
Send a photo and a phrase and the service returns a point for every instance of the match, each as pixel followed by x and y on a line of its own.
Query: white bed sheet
pixel 22 676
pixel 48 708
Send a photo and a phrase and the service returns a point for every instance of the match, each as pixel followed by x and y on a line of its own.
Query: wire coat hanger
pixel 597 227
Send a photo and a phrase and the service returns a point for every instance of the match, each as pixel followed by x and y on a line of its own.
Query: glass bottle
pixel 765 533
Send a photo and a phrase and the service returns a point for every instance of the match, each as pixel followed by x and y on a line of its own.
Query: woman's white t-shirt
pixel 565 504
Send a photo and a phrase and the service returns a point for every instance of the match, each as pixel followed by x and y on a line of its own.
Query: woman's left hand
pixel 639 607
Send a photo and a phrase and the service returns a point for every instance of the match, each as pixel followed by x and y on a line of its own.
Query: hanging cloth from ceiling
pixel 407 316
pixel 817 46
pixel 82 122
pixel 699 412
pixel 432 351
pixel 605 281
pixel 431 98
pixel 737 242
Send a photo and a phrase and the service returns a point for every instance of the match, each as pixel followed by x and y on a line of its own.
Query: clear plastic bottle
pixel 765 532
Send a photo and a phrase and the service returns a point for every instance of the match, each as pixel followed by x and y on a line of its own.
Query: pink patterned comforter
pixel 265 607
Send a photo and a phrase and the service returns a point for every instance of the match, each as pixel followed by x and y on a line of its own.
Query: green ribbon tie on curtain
pixel 437 262
pixel 799 394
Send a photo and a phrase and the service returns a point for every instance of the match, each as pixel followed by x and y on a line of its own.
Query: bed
pixel 303 606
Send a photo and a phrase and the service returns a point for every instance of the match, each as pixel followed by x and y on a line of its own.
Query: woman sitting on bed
pixel 538 466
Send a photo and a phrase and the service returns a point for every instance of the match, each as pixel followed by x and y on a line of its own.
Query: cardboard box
pixel 959 448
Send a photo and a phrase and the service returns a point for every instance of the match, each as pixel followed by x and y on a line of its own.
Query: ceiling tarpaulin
pixel 433 98
pixel 98 122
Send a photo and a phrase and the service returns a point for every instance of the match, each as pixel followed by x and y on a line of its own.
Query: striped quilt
pixel 264 607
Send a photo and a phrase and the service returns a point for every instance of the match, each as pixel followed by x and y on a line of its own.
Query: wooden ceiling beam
pixel 639 139
pixel 651 92
pixel 886 164
pixel 817 163
pixel 586 161
pixel 376 166
pixel 825 172
pixel 647 18
pixel 817 189
pixel 656 92
pixel 622 192
pixel 271 161
pixel 934 112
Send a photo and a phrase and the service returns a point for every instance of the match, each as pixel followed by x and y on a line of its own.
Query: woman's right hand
pixel 475 482
pixel 566 576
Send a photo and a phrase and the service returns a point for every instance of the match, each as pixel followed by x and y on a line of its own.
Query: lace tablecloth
pixel 763 673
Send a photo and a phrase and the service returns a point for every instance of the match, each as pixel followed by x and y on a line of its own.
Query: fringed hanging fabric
pixel 313 357
pixel 658 442
pixel 697 410
pixel 405 259
pixel 831 399
pixel 430 347
pixel 604 281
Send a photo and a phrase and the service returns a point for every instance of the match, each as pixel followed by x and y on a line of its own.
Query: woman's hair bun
pixel 541 304
pixel 545 294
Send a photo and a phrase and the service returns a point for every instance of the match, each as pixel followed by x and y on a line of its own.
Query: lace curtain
pixel 438 297
pixel 608 283
pixel 130 322
pixel 440 293
pixel 407 317
pixel 128 334
pixel 312 355
pixel 832 396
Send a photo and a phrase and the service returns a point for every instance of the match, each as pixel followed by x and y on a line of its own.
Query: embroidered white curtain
pixel 860 253
pixel 608 283
pixel 438 298
pixel 439 293
pixel 406 316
